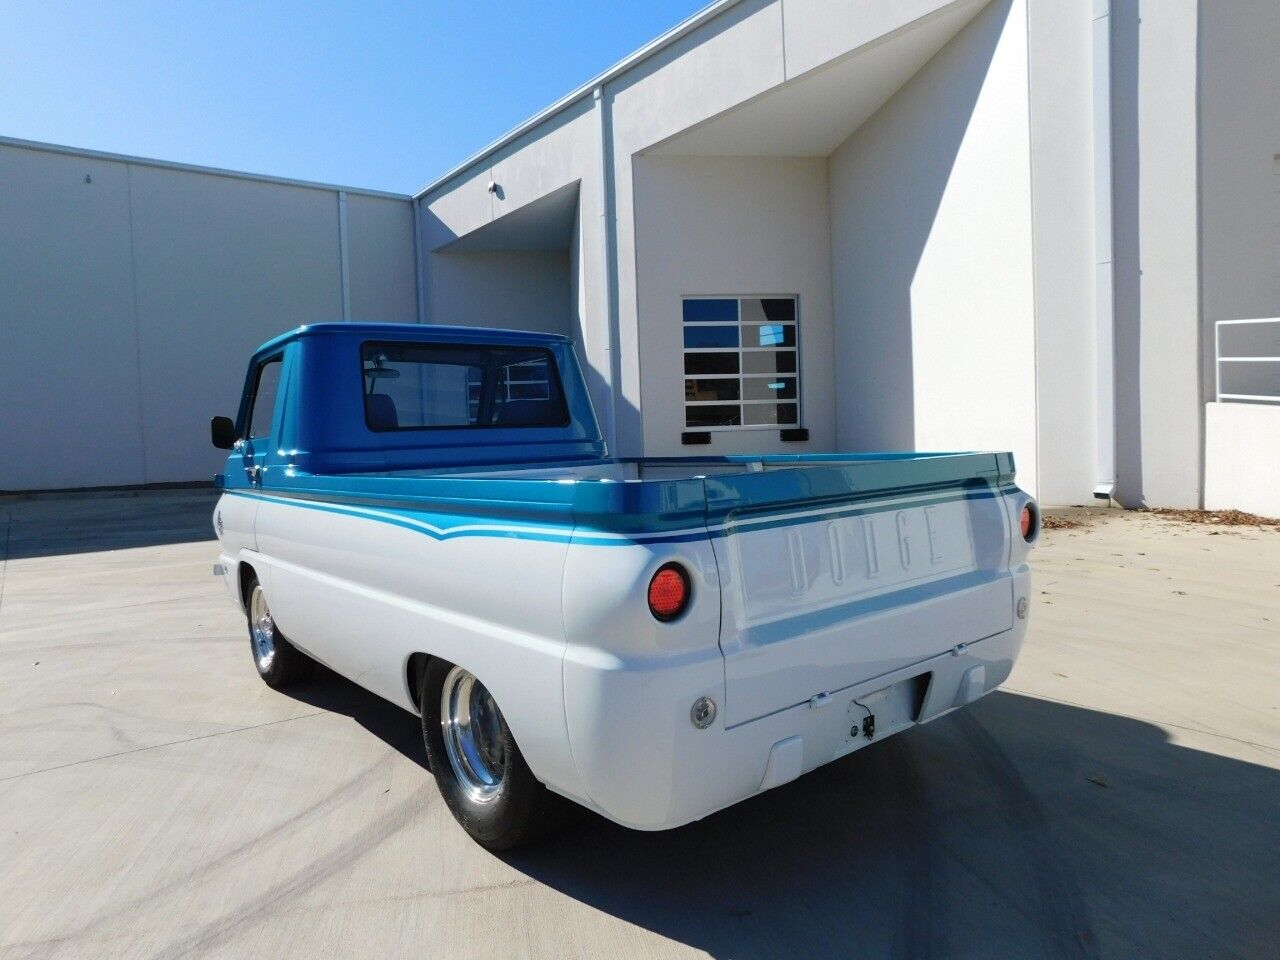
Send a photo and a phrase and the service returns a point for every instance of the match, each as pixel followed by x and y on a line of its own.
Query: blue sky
pixel 374 94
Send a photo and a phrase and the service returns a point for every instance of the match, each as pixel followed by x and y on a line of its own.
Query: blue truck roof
pixel 320 426
pixel 432 333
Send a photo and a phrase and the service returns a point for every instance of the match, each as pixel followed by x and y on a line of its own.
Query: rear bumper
pixel 644 764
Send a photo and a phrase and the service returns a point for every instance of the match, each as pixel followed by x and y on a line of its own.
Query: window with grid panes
pixel 741 363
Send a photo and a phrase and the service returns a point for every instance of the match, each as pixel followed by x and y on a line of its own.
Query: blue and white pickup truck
pixel 431 512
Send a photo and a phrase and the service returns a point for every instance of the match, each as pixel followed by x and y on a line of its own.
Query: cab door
pixel 260 423
pixel 236 515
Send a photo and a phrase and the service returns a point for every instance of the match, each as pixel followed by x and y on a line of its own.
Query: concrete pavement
pixel 1120 798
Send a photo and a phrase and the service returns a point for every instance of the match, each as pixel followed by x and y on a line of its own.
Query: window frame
pixel 550 357
pixel 245 432
pixel 741 351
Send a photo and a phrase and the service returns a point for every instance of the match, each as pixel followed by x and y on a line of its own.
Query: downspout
pixel 1104 266
pixel 418 291
pixel 608 247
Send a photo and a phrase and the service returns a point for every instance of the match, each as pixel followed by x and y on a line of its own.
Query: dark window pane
pixel 710 336
pixel 760 414
pixel 723 415
pixel 775 310
pixel 767 388
pixel 769 335
pixel 707 363
pixel 264 399
pixel 710 311
pixel 784 361
pixel 711 390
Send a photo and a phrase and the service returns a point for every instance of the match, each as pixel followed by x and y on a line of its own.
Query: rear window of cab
pixel 424 386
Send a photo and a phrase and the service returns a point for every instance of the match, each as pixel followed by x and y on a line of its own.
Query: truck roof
pixel 412 331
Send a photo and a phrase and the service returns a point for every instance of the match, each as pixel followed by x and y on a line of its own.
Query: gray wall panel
pixel 129 304
pixel 222 265
pixel 68 356
pixel 380 244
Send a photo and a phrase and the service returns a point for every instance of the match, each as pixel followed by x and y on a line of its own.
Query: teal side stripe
pixel 481 527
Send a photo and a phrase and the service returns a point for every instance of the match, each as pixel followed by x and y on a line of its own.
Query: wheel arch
pixel 244 574
pixel 415 669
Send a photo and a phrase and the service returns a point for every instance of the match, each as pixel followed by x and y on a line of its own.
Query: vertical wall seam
pixel 608 245
pixel 137 320
pixel 1200 319
pixel 1035 287
pixel 344 258
pixel 782 15
pixel 1106 468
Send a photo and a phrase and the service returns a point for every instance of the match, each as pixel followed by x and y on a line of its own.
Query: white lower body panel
pixel 644 764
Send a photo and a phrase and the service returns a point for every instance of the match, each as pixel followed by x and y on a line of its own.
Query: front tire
pixel 279 663
pixel 478 767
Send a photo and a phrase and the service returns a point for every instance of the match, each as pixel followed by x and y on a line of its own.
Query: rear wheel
pixel 482 775
pixel 279 663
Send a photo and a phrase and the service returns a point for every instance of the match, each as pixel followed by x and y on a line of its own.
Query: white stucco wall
pixel 1157 286
pixel 731 226
pixel 1242 458
pixel 931 250
pixel 1061 131
pixel 132 302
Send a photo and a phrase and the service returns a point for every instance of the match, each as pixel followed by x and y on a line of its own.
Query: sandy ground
pixel 1119 798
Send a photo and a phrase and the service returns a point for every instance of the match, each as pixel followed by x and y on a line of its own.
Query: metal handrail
pixel 1219 360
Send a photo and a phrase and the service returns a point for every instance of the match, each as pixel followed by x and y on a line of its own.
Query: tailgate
pixel 823 589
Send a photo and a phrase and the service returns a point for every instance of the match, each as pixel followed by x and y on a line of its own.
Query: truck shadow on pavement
pixel 1018 828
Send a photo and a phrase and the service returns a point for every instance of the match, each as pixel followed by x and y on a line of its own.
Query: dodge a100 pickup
pixel 432 513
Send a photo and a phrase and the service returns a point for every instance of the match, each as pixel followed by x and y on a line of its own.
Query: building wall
pixel 1157 276
pixel 380 252
pixel 520 289
pixel 1242 458
pixel 931 246
pixel 731 225
pixel 1239 75
pixel 134 297
pixel 544 290
pixel 1060 67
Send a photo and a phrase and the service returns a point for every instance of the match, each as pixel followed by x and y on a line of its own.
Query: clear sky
pixel 375 94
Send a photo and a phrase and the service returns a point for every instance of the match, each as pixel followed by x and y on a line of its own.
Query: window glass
pixel 741 359
pixel 769 414
pixel 723 389
pixel 757 361
pixel 710 363
pixel 769 335
pixel 703 310
pixel 714 416
pixel 769 388
pixel 414 386
pixel 721 336
pixel 264 398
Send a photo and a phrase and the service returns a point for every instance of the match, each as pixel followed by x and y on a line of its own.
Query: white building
pixel 960 224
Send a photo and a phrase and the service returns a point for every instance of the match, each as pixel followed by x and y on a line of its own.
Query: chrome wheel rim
pixel 262 630
pixel 472 728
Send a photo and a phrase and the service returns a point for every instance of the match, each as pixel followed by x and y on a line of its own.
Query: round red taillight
pixel 669 592
pixel 1028 522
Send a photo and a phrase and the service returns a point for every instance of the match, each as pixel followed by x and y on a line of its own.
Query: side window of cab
pixel 262 404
